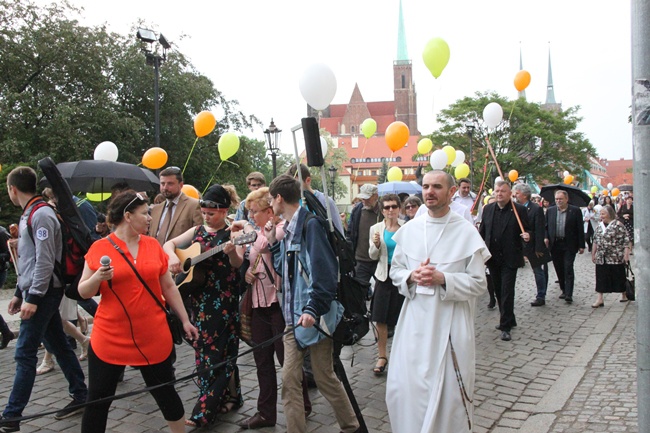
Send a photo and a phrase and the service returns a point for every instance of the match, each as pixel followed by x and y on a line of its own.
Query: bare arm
pixel 173 298
pixel 170 246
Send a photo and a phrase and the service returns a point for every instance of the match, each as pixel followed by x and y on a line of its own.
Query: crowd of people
pixel 428 258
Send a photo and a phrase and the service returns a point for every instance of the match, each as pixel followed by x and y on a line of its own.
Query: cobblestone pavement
pixel 569 368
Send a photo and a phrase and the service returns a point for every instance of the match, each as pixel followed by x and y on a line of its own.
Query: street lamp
pixel 470 131
pixel 332 170
pixel 155 59
pixel 272 136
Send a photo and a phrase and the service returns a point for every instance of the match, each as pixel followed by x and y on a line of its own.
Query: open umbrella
pixel 625 187
pixel 577 197
pixel 100 176
pixel 398 188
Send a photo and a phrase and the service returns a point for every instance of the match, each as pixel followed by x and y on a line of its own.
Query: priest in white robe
pixel 438 265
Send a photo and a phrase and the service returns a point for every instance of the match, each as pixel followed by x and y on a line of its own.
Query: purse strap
pixel 137 274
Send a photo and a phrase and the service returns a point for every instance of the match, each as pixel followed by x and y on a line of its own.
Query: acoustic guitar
pixel 192 277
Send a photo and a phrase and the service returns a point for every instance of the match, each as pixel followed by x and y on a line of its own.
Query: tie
pixel 164 227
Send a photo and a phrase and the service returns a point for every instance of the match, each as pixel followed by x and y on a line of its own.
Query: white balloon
pixel 318 86
pixel 610 186
pixel 106 151
pixel 498 179
pixel 323 146
pixel 566 173
pixel 460 158
pixel 492 115
pixel 438 159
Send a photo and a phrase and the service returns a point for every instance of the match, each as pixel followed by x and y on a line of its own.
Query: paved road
pixel 569 368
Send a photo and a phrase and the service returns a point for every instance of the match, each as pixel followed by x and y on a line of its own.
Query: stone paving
pixel 568 368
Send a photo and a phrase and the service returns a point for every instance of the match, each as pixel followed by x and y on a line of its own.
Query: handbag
pixel 629 283
pixel 246 312
pixel 174 322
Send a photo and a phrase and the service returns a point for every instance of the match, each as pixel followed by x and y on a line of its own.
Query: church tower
pixel 404 89
pixel 522 94
pixel 550 103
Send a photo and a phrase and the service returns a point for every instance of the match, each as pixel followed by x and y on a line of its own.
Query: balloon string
pixel 512 109
pixel 210 181
pixel 359 165
pixel 188 156
pixel 480 190
pixel 489 146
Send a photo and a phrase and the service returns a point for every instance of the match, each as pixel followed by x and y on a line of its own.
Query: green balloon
pixel 228 145
pixel 436 56
pixel 368 127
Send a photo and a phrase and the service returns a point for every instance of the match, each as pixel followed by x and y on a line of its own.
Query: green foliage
pixel 530 140
pixel 383 173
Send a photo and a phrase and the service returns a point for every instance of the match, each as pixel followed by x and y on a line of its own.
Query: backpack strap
pixel 40 203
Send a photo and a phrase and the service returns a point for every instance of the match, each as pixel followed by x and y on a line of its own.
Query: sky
pixel 255 51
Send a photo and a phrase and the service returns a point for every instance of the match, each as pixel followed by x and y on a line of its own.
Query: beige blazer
pixel 381 253
pixel 186 215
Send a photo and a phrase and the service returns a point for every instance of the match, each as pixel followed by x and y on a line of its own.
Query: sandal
pixel 45 367
pixel 190 423
pixel 380 369
pixel 84 349
pixel 83 324
pixel 233 403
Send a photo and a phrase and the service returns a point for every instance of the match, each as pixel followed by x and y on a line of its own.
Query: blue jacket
pixel 313 275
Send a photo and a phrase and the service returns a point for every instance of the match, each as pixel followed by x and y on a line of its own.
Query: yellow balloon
pixel 461 171
pixel 436 56
pixel 424 146
pixel 154 158
pixel 228 145
pixel 190 191
pixel 451 154
pixel 394 174
pixel 98 196
pixel 486 200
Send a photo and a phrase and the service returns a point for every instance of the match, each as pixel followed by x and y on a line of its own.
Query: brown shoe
pixel 255 422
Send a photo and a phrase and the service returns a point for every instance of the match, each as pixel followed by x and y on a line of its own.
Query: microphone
pixel 106 262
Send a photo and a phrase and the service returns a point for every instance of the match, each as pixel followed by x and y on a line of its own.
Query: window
pixel 373 173
pixel 403 81
pixel 353 129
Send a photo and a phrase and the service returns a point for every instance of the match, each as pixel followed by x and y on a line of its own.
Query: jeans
pixel 45 325
pixel 541 280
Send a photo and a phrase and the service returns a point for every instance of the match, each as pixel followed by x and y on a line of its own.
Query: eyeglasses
pixel 253 212
pixel 211 204
pixel 138 196
pixel 390 206
pixel 410 206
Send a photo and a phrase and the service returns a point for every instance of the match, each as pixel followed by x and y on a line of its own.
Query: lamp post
pixel 470 131
pixel 332 170
pixel 155 59
pixel 272 136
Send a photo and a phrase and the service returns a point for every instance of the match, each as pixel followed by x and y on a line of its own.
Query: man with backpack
pixel 308 300
pixel 37 298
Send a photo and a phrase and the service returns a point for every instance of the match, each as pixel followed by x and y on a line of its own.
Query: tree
pixel 383 173
pixel 531 140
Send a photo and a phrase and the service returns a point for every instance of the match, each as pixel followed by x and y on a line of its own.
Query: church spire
pixel 522 94
pixel 402 53
pixel 550 94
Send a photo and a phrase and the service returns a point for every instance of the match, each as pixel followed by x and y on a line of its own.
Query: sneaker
pixel 7 426
pixel 71 409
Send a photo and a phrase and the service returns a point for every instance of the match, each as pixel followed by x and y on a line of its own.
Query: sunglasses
pixel 410 206
pixel 391 206
pixel 138 196
pixel 211 204
pixel 174 169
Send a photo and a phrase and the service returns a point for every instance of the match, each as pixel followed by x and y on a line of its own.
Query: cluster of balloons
pixel 368 127
pixel 522 80
pixel 436 56
pixel 204 123
pixel 318 86
pixel 441 158
pixel 154 158
pixel 106 151
pixel 568 178
pixel 397 135
pixel 492 115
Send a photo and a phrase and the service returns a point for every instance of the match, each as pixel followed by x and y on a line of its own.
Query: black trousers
pixel 563 263
pixel 102 382
pixel 504 278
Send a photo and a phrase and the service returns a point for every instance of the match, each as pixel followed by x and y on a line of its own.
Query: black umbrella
pixel 577 197
pixel 97 176
pixel 625 187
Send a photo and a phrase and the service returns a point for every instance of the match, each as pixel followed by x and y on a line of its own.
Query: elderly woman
pixel 386 301
pixel 130 328
pixel 610 252
pixel 267 320
pixel 214 305
pixel 411 206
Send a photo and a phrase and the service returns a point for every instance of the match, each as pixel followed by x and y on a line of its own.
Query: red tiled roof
pixel 381 108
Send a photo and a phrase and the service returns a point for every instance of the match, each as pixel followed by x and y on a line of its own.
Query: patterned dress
pixel 215 312
pixel 610 242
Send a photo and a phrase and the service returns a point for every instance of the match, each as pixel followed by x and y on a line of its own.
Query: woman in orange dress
pixel 129 327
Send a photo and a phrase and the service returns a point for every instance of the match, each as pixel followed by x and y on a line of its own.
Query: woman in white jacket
pixel 386 301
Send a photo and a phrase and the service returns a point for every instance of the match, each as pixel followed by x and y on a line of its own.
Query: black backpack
pixel 351 292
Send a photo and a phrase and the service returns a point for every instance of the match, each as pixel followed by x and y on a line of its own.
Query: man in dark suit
pixel 178 212
pixel 503 236
pixel 565 237
pixel 535 250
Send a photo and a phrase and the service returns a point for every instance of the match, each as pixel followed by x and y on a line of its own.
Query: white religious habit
pixel 423 391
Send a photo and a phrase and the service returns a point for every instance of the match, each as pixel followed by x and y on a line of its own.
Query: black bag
pixel 629 283
pixel 175 327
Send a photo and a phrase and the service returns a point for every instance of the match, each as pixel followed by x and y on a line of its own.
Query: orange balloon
pixel 605 192
pixel 522 80
pixel 513 175
pixel 397 135
pixel 615 192
pixel 190 191
pixel 568 179
pixel 204 123
pixel 154 158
